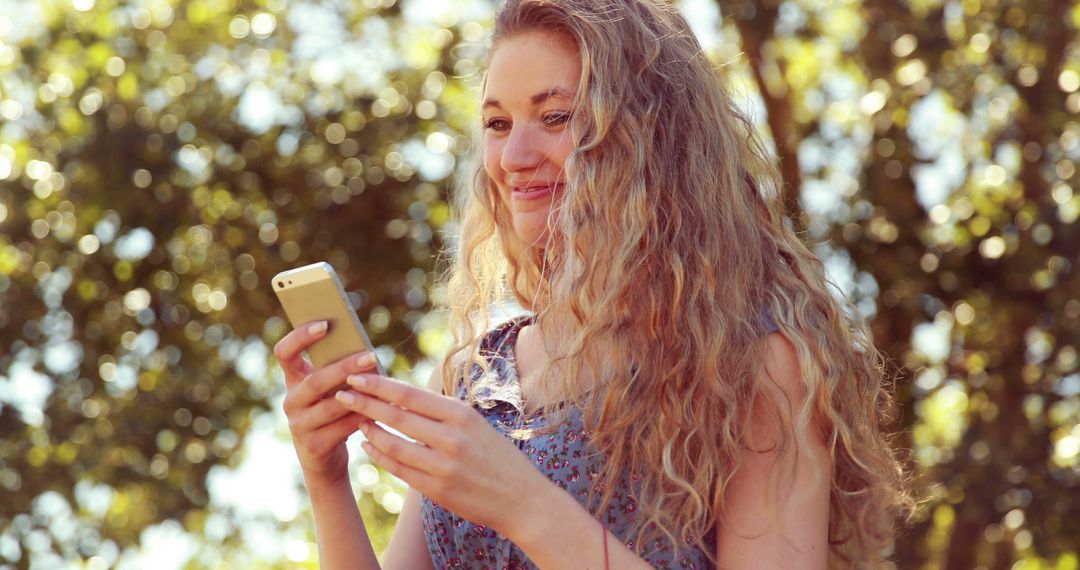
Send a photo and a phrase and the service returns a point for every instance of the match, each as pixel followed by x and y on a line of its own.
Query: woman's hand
pixel 458 459
pixel 319 425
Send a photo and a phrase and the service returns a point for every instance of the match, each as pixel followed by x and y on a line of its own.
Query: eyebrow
pixel 553 93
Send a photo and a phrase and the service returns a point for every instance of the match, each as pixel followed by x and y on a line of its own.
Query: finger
pixel 296 370
pixel 317 415
pixel 331 435
pixel 424 402
pixel 331 376
pixel 412 477
pixel 392 451
pixel 406 421
pixel 289 350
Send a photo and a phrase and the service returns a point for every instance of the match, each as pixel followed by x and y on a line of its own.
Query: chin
pixel 532 234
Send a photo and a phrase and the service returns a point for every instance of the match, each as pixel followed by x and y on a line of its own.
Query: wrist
pixel 321 485
pixel 548 511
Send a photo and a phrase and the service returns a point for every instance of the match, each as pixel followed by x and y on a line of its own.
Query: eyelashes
pixel 555 119
pixel 548 120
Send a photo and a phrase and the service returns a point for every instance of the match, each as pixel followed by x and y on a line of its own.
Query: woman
pixel 684 392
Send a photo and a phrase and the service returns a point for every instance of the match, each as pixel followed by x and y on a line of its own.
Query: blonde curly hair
pixel 669 242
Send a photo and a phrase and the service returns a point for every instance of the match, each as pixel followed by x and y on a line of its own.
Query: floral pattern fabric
pixel 564 456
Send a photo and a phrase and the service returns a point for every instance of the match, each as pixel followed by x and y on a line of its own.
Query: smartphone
pixel 314 293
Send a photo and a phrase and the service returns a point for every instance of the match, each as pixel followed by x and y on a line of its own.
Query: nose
pixel 522 150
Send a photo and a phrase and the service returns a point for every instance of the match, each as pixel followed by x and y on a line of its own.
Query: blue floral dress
pixel 564 456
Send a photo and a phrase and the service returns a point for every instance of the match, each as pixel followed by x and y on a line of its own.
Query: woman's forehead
pixel 525 67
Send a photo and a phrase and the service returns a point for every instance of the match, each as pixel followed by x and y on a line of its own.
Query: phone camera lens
pixel 281 284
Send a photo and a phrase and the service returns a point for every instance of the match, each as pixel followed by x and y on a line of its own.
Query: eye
pixel 553 119
pixel 498 125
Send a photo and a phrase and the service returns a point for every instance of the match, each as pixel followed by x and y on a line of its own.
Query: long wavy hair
pixel 664 251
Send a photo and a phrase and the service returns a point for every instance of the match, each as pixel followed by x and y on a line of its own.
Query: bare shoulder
pixel 782 376
pixel 777 516
pixel 781 365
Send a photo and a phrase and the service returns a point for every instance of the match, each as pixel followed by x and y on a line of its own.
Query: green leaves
pixel 168 159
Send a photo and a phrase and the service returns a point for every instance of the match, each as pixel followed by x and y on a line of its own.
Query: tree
pixel 159 163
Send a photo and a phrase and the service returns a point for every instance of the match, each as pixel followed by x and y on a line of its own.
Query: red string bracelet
pixel 603 529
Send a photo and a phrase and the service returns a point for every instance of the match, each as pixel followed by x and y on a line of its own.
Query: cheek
pixel 491 161
pixel 560 149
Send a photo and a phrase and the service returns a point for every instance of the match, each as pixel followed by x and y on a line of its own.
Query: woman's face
pixel 531 83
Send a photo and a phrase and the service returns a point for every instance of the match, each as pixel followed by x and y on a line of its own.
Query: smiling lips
pixel 534 191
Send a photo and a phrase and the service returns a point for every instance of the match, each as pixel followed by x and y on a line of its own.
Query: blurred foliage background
pixel 161 160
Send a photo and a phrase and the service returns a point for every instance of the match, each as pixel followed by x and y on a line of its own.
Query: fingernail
pixel 357 380
pixel 366 359
pixel 345 397
pixel 317 328
pixel 364 427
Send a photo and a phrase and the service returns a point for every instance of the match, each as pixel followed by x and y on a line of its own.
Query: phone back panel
pixel 316 294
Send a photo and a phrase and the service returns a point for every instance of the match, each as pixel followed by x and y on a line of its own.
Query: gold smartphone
pixel 314 293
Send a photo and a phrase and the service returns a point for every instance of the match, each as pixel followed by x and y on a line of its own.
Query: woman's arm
pixel 556 532
pixel 339 530
pixel 343 539
pixel 778 528
pixel 408 550
pixel 464 464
